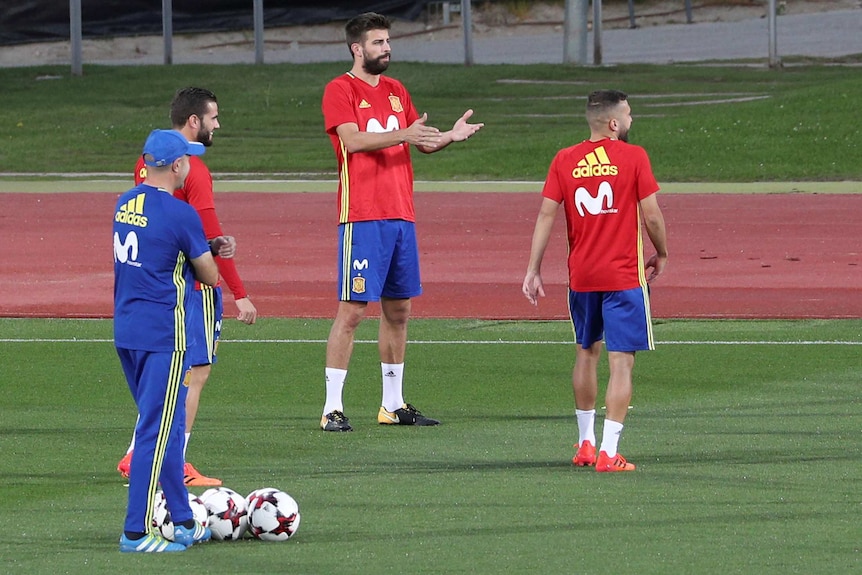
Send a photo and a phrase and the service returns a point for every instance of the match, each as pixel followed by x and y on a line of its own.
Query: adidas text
pixel 599 170
pixel 131 219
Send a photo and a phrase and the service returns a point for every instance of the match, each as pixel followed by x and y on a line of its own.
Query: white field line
pixel 457 342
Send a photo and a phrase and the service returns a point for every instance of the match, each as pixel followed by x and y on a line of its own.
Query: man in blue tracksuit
pixel 159 251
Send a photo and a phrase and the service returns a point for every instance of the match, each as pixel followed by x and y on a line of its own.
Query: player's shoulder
pixel 620 144
pixel 575 149
pixel 340 82
pixel 609 147
pixel 632 151
pixel 134 192
pixel 181 207
pixel 179 213
pixel 392 82
pixel 343 77
pixel 198 166
pixel 394 86
pixel 147 200
pixel 165 201
pixel 633 146
pixel 341 88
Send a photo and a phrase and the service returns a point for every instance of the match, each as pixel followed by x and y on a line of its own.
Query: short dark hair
pixel 358 26
pixel 190 102
pixel 603 100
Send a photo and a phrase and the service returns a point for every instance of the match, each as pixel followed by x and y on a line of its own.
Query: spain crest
pixel 359 284
pixel 395 102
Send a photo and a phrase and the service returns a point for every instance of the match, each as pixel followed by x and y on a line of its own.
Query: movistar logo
pixel 360 265
pixel 126 251
pixel 601 203
pixel 132 212
pixel 375 127
pixel 596 163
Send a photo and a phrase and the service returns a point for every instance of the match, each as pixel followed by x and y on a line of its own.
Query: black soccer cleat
pixel 404 415
pixel 335 421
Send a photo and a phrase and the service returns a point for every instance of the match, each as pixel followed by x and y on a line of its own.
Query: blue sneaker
pixel 188 537
pixel 151 543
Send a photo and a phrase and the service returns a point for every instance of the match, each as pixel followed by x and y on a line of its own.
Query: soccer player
pixel 371 121
pixel 160 250
pixel 607 188
pixel 194 113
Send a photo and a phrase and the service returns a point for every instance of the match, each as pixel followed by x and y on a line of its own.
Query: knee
pixel 349 318
pixel 199 375
pixel 396 312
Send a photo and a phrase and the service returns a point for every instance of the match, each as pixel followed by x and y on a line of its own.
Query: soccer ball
pixel 227 513
pixel 162 521
pixel 273 515
pixel 162 517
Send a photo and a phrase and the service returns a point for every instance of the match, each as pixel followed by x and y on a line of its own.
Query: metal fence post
pixel 467 21
pixel 258 31
pixel 774 59
pixel 575 32
pixel 597 32
pixel 168 30
pixel 75 37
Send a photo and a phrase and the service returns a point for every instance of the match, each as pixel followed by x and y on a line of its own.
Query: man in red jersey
pixel 372 122
pixel 194 113
pixel 607 188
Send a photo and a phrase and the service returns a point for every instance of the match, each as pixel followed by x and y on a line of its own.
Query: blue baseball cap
pixel 163 147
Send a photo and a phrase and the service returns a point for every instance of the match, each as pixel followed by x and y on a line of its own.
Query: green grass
pixel 748 453
pixel 796 130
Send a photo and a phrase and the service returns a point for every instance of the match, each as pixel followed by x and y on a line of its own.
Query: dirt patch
pixel 488 20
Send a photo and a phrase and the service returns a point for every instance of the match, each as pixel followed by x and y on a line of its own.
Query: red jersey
pixel 198 192
pixel 600 185
pixel 374 185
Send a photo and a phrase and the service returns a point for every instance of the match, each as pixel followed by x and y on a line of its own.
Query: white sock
pixel 611 437
pixel 334 384
pixel 393 378
pixel 132 443
pixel 186 445
pixel 586 425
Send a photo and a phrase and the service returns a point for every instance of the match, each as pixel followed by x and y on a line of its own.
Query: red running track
pixel 732 256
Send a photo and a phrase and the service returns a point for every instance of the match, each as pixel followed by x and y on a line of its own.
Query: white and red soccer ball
pixel 227 513
pixel 267 514
pixel 273 515
pixel 162 520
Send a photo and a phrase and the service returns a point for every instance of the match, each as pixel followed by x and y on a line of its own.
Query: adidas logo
pixel 364 104
pixel 132 212
pixel 596 163
pixel 389 373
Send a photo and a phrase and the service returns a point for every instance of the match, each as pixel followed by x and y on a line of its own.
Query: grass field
pixel 746 435
pixel 699 123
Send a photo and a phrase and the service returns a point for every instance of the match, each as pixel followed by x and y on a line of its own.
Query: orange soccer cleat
pixel 125 465
pixel 605 463
pixel 586 454
pixel 195 478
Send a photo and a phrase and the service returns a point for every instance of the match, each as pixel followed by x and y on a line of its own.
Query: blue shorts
pixel 204 333
pixel 621 318
pixel 378 259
